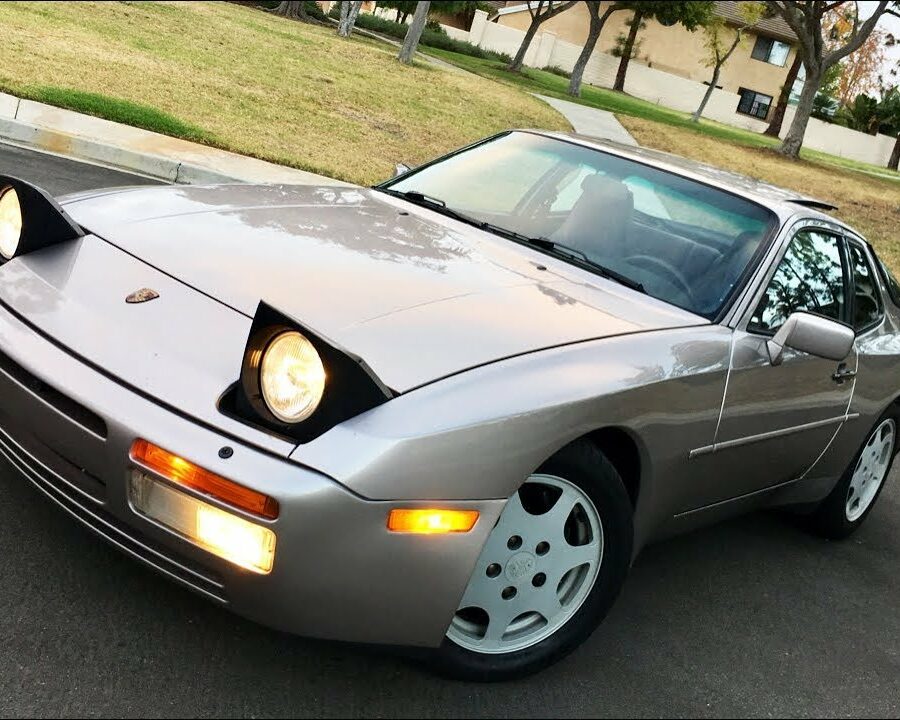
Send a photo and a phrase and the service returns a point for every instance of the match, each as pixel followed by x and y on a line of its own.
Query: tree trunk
pixel 793 141
pixel 895 156
pixel 774 129
pixel 708 94
pixel 349 13
pixel 397 19
pixel 519 60
pixel 597 23
pixel 414 34
pixel 292 9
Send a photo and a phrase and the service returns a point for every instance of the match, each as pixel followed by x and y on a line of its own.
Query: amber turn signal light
pixel 185 473
pixel 432 521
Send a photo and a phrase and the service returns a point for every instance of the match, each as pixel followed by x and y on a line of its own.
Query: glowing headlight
pixel 10 223
pixel 292 377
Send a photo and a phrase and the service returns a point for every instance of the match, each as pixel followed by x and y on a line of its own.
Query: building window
pixel 771 51
pixel 754 103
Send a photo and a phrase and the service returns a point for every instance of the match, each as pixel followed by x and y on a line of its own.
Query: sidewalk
pixel 591 121
pixel 65 132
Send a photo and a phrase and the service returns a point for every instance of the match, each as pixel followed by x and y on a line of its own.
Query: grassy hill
pixel 244 80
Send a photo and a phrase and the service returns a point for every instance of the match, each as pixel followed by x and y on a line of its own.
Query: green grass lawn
pixel 245 80
pixel 121 111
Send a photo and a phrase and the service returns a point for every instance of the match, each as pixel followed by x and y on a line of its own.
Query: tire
pixel 579 468
pixel 836 517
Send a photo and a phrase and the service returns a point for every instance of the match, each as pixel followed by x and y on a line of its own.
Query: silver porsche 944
pixel 445 412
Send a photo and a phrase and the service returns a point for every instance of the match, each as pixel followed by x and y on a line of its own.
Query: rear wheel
pixel 842 512
pixel 548 574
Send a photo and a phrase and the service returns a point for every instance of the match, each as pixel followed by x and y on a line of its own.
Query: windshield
pixel 679 240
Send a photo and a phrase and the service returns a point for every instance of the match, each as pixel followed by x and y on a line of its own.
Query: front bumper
pixel 338 572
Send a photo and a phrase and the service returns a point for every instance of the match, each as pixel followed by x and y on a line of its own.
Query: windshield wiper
pixel 419 198
pixel 433 203
pixel 563 249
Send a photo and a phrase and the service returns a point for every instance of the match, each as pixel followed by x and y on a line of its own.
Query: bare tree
pixel 414 34
pixel 541 11
pixel 805 19
pixel 292 9
pixel 774 129
pixel 349 13
pixel 720 49
pixel 596 27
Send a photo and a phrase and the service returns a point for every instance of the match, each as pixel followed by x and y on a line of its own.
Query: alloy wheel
pixel 537 568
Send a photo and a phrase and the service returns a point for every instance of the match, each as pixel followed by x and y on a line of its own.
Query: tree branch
pixel 553 11
pixel 858 38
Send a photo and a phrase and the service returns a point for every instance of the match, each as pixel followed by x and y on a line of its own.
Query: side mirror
pixel 812 334
pixel 401 169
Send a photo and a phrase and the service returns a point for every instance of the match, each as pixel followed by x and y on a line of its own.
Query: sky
pixel 888 23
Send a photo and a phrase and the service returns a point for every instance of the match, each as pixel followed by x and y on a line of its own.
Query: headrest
pixel 597 185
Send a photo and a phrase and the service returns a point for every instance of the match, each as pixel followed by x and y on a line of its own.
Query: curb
pixel 62 143
pixel 14 128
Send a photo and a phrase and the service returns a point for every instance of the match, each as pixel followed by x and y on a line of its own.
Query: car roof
pixel 786 203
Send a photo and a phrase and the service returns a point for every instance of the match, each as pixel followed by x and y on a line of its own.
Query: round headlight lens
pixel 10 223
pixel 292 377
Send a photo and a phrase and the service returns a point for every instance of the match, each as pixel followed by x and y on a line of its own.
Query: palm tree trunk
pixel 895 155
pixel 628 50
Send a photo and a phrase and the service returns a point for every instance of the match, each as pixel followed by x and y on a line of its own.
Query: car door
pixel 777 420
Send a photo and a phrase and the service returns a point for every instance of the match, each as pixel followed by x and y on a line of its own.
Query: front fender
pixel 479 434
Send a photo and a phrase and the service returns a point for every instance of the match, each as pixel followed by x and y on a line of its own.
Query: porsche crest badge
pixel 142 296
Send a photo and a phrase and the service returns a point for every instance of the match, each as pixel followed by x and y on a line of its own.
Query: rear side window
pixel 893 285
pixel 867 309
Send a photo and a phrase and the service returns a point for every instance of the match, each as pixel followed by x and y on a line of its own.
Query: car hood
pixel 417 295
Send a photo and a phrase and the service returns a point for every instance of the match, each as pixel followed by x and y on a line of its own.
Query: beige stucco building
pixel 756 71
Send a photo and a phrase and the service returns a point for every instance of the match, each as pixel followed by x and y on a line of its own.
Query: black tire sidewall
pixel 831 519
pixel 582 464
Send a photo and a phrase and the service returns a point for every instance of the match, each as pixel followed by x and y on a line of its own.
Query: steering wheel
pixel 664 269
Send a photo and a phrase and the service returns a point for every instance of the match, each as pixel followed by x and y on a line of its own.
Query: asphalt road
pixel 751 618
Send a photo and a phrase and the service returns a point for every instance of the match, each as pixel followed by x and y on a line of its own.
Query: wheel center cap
pixel 520 565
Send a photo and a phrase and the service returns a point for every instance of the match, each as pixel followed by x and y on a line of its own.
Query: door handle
pixel 842 374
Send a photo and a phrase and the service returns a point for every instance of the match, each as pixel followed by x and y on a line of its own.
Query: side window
pixel 866 295
pixel 810 277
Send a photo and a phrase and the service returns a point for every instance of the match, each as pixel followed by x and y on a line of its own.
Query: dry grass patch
pixel 259 85
pixel 870 204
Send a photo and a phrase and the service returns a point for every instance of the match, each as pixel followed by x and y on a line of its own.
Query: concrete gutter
pixel 44 127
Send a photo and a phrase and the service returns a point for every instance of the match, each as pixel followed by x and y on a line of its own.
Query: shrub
pixel 314 10
pixel 556 70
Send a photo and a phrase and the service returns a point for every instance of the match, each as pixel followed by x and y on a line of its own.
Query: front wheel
pixel 548 574
pixel 845 509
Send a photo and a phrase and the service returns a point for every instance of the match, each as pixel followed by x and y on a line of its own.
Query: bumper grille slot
pixel 76 412
pixel 73 500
